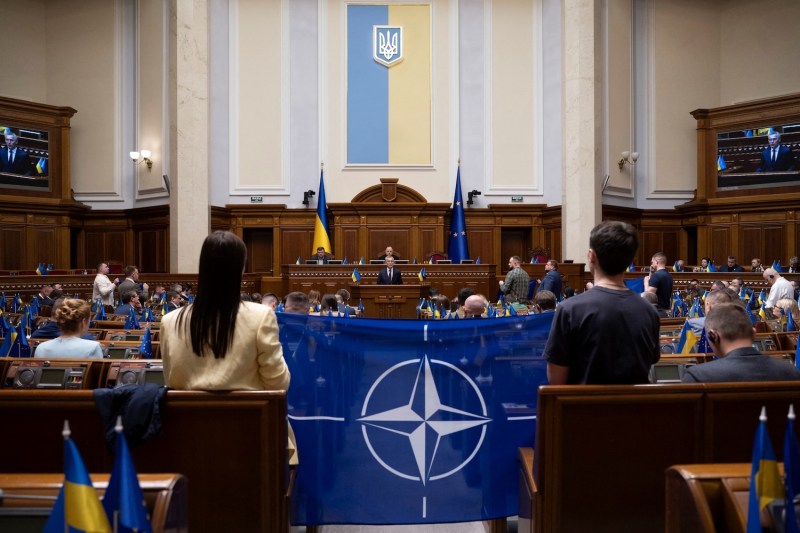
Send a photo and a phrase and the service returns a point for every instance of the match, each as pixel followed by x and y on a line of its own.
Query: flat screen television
pixel 24 157
pixel 746 159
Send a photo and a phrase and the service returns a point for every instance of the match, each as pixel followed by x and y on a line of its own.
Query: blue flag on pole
pixel 765 481
pixel 146 347
pixel 434 418
pixel 123 501
pixel 457 248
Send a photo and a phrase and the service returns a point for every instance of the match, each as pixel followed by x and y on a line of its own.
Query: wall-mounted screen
pixel 759 157
pixel 24 158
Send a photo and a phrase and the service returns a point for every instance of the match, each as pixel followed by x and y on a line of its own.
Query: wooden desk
pixel 448 279
pixel 389 301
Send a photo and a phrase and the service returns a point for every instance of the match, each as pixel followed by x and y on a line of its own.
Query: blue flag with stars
pixel 433 418
pixel 457 248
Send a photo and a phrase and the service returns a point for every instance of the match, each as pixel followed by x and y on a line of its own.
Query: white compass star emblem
pixel 424 420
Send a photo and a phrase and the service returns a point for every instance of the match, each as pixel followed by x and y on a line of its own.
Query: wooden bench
pixel 165 495
pixel 601 451
pixel 230 445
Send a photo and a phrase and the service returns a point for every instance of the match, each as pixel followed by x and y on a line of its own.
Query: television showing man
pixel 660 280
pixel 13 159
pixel 515 286
pixel 321 257
pixel 731 265
pixel 730 333
pixel 776 157
pixel 608 335
pixel 389 274
pixel 389 252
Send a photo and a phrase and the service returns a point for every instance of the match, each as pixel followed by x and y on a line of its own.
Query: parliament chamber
pixel 148 125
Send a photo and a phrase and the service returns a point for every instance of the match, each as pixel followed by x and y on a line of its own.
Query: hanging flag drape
pixel 457 248
pixel 321 233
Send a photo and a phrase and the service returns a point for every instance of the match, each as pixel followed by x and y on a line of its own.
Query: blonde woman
pixel 72 318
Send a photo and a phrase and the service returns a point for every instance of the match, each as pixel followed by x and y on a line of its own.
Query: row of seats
pixel 78 374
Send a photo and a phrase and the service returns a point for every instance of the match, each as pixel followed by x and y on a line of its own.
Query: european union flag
pixel 101 311
pixel 132 322
pixel 146 347
pixel 123 502
pixel 457 243
pixel 77 506
pixel 478 260
pixel 750 314
pixel 360 308
pixel 345 261
pixel 321 230
pixel 791 472
pixel 765 481
pixel 434 418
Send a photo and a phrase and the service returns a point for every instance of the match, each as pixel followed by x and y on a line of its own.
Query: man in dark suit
pixel 776 158
pixel 389 275
pixel 173 301
pixel 13 159
pixel 731 266
pixel 321 257
pixel 730 334
pixel 389 252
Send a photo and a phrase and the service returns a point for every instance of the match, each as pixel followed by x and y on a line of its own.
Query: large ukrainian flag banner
pixel 389 84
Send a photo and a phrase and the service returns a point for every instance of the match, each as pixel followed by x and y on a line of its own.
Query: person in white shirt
pixel 780 287
pixel 103 287
pixel 72 318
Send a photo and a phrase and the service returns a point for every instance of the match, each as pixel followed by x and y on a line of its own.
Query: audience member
pixel 157 292
pixel 49 329
pixel 328 306
pixel 461 298
pixel 129 302
pixel 219 342
pixel 44 295
pixel 660 280
pixel 131 283
pixel 72 317
pixel 717 285
pixel 343 302
pixel 680 265
pixel 475 306
pixel 552 279
pixel 703 266
pixel 755 265
pixel 297 303
pixel 255 297
pixel 786 306
pixel 779 287
pixel 544 302
pixel 103 287
pixel 609 334
pixel 270 300
pixel 442 304
pixel 389 274
pixel 173 301
pixel 731 266
pixel 314 300
pixel 245 296
pixel 515 286
pixel 730 334
pixel 796 287
pixel 712 300
pixel 652 299
pixel 569 292
pixel 794 265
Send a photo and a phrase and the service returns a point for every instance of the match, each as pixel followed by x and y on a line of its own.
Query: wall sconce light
pixel 472 194
pixel 307 196
pixel 628 157
pixel 145 154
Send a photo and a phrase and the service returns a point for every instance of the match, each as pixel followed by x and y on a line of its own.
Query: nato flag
pixel 457 248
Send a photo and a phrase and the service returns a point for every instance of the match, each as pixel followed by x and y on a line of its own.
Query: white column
pixel 581 209
pixel 189 200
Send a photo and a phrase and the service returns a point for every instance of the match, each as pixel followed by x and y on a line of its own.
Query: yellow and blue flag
pixel 41 165
pixel 631 267
pixel 791 472
pixel 763 311
pixel 711 267
pixel 356 277
pixel 688 339
pixel 321 230
pixel 422 274
pixel 123 501
pixel 765 481
pixel 77 507
pixel 791 325
pixel 389 81
pixel 721 163
pixel 41 270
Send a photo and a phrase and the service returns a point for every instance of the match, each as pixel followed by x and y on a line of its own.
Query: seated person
pixel 730 334
pixel 328 306
pixel 130 302
pixel 442 304
pixel 703 266
pixel 174 301
pixel 44 295
pixel 343 301
pixel 389 252
pixel 475 306
pixel 314 302
pixel 72 317
pixel 463 294
pixel 651 298
pixel 545 302
pixel 296 303
pixel 786 307
pixel 321 257
pixel 270 300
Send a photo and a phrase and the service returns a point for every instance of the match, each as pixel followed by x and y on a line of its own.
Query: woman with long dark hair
pixel 220 342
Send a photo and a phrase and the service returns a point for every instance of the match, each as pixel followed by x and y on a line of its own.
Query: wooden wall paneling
pixel 12 244
pixel 774 238
pixel 95 248
pixel 720 244
pixel 428 244
pixel 649 243
pixel 116 246
pixel 514 241
pixel 750 244
pixel 259 249
pixel 399 238
pixel 669 245
pixel 296 242
pixel 349 245
pixel 43 246
pixel 481 244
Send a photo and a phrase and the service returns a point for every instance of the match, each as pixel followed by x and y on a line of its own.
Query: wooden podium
pixel 389 301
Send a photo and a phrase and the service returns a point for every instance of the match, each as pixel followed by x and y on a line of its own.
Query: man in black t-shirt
pixel 660 281
pixel 608 335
